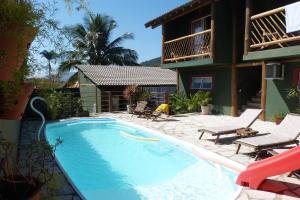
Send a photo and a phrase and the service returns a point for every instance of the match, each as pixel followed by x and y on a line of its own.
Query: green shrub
pixel 180 103
pixel 62 104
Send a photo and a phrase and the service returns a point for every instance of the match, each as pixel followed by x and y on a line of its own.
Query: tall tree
pixel 50 56
pixel 92 44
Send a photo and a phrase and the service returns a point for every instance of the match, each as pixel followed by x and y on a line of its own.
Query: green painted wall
pixel 222 86
pixel 277 93
pixel 90 94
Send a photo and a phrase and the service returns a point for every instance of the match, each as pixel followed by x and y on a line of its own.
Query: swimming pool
pixel 110 159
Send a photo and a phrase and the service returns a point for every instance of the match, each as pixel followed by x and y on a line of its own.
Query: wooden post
pixel 97 111
pixel 263 90
pixel 234 96
pixel 110 102
pixel 213 29
pixel 247 26
pixel 177 80
pixel 163 44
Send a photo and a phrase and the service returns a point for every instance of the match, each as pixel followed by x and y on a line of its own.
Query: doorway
pixel 249 87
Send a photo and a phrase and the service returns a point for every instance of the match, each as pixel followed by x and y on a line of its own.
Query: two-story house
pixel 240 50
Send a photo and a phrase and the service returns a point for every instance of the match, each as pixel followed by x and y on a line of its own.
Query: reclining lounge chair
pixel 285 133
pixel 246 119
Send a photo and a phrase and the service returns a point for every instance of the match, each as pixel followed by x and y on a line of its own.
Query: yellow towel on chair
pixel 163 107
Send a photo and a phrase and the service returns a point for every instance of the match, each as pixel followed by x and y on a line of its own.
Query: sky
pixel 130 15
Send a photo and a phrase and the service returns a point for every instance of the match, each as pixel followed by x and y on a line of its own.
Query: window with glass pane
pixel 202 83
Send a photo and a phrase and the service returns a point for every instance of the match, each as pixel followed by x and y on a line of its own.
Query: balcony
pixel 267 31
pixel 189 47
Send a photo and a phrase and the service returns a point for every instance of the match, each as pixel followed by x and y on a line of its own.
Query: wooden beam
pixel 163 44
pixel 110 102
pixel 284 40
pixel 167 18
pixel 212 29
pixel 177 80
pixel 97 111
pixel 234 95
pixel 247 26
pixel 263 90
pixel 270 12
pixel 185 57
pixel 251 64
pixel 188 36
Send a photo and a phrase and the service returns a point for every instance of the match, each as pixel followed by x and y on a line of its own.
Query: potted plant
pixel 24 179
pixel 204 102
pixel 128 94
pixel 277 118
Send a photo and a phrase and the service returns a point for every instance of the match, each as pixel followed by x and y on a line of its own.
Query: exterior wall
pixel 221 92
pixel 277 100
pixel 290 51
pixel 10 130
pixel 181 26
pixel 90 94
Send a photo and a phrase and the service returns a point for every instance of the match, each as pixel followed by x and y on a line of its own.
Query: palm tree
pixel 92 44
pixel 49 55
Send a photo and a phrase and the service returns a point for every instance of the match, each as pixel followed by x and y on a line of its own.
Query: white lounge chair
pixel 285 133
pixel 246 119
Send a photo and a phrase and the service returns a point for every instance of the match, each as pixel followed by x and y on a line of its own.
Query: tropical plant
pixel 50 56
pixel 92 45
pixel 142 95
pixel 179 103
pixel 194 102
pixel 129 92
pixel 205 98
pixel 61 104
pixel 292 93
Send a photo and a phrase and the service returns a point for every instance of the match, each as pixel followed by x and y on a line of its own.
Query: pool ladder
pixel 39 113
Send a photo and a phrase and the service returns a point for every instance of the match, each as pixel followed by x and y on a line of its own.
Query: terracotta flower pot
pixel 278 120
pixel 19 188
pixel 14 46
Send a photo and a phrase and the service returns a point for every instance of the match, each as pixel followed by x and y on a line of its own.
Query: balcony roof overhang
pixel 176 12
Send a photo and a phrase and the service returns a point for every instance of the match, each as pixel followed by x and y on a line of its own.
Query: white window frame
pixel 201 84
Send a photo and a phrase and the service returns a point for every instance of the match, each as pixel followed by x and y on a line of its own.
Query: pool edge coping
pixel 219 159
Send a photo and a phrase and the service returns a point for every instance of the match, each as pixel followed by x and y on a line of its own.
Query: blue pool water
pixel 110 160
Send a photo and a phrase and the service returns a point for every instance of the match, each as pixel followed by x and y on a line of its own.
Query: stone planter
pixel 14 47
pixel 129 109
pixel 205 110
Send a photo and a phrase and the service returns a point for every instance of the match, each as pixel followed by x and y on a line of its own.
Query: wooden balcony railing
pixel 268 31
pixel 196 45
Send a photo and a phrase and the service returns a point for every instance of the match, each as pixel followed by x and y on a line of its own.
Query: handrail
pixel 268 30
pixel 39 113
pixel 187 36
pixel 267 13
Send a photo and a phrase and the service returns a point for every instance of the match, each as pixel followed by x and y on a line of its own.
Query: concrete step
pixel 251 104
pixel 255 99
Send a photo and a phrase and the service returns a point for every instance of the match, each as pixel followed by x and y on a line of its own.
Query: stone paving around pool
pixel 185 127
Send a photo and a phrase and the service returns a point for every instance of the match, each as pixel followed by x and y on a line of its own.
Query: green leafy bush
pixel 180 103
pixel 62 104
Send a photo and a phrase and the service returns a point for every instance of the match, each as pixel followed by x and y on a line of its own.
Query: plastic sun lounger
pixel 258 171
pixel 246 119
pixel 285 133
